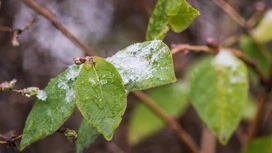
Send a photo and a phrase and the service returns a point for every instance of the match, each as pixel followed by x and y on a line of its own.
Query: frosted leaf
pixel 226 59
pixel 144 65
pixel 41 95
pixel 71 75
pixel 92 81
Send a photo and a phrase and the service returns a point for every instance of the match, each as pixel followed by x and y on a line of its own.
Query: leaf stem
pixel 172 123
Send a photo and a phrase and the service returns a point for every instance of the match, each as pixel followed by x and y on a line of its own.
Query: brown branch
pixel 208 141
pixel 249 62
pixel 5 29
pixel 231 12
pixel 13 139
pixel 244 24
pixel 172 123
pixel 47 14
pixel 263 97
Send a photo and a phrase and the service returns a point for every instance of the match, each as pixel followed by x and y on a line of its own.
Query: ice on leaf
pixel 144 65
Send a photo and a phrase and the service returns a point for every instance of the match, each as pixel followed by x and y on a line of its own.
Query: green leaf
pixel 86 136
pixel 48 115
pixel 260 145
pixel 101 96
pixel 172 7
pixel 219 90
pixel 184 18
pixel 176 13
pixel 171 98
pixel 144 65
pixel 263 31
pixel 249 47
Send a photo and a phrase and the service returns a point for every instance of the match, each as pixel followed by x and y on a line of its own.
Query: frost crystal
pixel 41 95
pixel 92 81
pixel 135 62
pixel 72 73
pixel 224 58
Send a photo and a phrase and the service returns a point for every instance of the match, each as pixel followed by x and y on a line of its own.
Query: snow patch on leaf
pixel 135 63
pixel 224 58
pixel 63 83
pixel 41 95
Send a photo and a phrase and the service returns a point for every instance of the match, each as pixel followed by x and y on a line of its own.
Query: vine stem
pixel 171 122
pixel 47 14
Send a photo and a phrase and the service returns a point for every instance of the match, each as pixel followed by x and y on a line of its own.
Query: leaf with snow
pixel 176 13
pixel 144 65
pixel 101 96
pixel 86 136
pixel 219 90
pixel 260 145
pixel 52 109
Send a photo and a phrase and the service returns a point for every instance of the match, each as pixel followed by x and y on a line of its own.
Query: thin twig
pixel 172 123
pixel 5 29
pixel 47 14
pixel 244 24
pixel 231 12
pixel 13 139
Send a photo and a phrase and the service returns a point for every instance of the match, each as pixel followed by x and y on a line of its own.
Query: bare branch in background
pixel 47 14
pixel 16 32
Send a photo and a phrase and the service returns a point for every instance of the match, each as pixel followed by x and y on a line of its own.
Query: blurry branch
pixel 16 32
pixel 259 10
pixel 232 13
pixel 9 139
pixel 47 14
pixel 253 129
pixel 5 29
pixel 244 24
pixel 172 123
pixel 6 86
pixel 249 62
pixel 208 141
